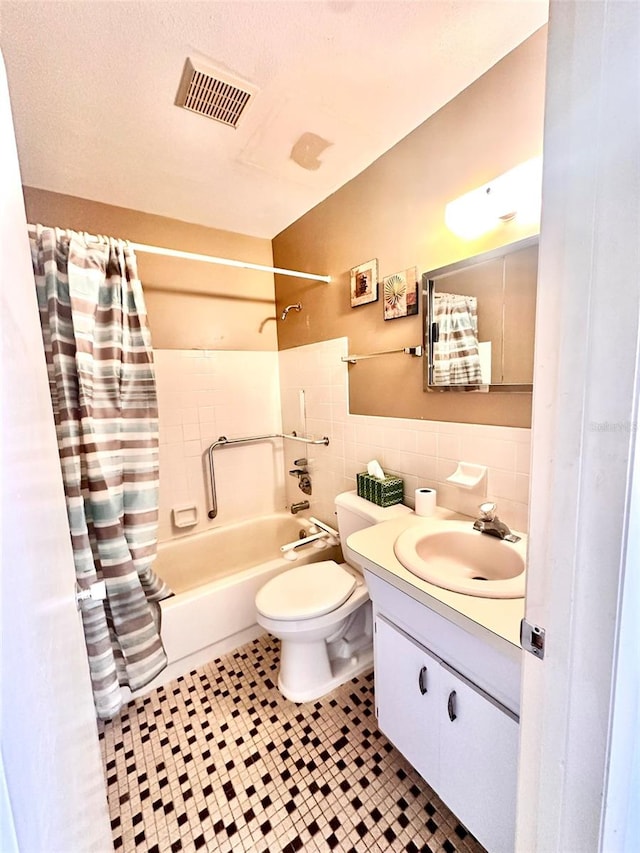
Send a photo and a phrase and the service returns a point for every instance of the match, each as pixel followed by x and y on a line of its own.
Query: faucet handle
pixel 300 463
pixel 488 510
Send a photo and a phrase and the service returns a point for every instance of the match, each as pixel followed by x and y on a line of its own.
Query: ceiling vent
pixel 210 93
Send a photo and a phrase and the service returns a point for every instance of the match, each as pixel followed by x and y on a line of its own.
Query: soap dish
pixel 468 476
pixel 185 515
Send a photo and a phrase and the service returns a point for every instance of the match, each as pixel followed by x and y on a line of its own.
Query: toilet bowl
pixel 321 612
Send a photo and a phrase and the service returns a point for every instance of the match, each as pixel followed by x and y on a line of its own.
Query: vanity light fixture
pixel 513 196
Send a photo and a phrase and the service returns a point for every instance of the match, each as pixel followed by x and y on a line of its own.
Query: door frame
pixel 573 787
pixel 52 785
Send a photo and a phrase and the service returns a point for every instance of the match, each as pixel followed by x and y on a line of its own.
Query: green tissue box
pixel 381 492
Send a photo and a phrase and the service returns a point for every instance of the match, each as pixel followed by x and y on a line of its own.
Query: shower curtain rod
pixel 228 262
pixel 210 259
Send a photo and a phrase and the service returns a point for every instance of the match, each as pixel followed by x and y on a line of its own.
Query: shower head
pixel 297 307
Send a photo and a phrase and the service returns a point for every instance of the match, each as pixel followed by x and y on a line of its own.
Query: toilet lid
pixel 306 591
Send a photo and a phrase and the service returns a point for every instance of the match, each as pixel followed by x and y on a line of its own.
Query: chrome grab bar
pixel 223 441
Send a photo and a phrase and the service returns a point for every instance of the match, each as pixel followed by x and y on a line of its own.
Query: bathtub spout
pixel 297 507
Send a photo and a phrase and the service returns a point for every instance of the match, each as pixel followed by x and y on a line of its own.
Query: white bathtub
pixel 215 577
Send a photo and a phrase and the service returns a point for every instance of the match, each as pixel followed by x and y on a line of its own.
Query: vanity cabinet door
pixel 479 759
pixel 462 741
pixel 406 690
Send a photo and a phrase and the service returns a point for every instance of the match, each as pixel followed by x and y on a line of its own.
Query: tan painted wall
pixel 190 304
pixel 394 211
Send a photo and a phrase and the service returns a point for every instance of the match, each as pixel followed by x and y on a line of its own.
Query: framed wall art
pixel 364 283
pixel 400 294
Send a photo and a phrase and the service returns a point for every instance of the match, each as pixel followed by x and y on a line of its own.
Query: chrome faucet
pixel 301 472
pixel 298 507
pixel 490 523
pixel 296 307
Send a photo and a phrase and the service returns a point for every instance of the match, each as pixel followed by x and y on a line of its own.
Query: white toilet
pixel 321 612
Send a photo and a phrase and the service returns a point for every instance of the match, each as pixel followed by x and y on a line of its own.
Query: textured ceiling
pixel 93 86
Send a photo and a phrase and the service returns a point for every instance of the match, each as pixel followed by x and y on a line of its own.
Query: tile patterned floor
pixel 219 761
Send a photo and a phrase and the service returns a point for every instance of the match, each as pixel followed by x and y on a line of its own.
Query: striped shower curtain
pixel 102 383
pixel 456 355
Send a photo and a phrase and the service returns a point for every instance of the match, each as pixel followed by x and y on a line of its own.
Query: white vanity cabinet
pixel 478 778
pixel 447 683
pixel 460 739
pixel 406 678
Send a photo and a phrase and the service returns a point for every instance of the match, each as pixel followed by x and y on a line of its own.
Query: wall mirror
pixel 480 321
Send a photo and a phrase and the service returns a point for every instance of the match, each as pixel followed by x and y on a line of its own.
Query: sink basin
pixel 454 556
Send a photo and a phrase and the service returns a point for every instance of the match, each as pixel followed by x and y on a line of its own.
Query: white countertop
pixel 501 617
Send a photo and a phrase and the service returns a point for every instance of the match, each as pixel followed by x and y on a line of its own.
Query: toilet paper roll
pixel 425 502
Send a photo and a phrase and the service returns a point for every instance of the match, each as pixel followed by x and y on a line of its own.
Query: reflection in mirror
pixel 480 320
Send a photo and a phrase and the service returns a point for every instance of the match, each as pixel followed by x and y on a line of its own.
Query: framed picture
pixel 364 283
pixel 400 294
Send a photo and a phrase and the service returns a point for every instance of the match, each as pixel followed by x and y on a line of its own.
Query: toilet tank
pixel 355 513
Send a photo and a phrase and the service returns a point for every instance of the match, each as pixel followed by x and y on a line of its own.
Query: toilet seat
pixel 306 591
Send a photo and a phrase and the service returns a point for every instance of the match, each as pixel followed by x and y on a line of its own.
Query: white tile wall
pixel 205 394
pixel 201 396
pixel 423 453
